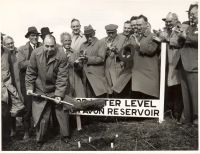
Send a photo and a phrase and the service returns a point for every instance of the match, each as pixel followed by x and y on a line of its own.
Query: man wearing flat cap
pixel 24 54
pixel 94 80
pixel 186 60
pixel 111 45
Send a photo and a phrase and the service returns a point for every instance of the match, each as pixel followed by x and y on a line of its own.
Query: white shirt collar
pixel 80 34
pixel 32 45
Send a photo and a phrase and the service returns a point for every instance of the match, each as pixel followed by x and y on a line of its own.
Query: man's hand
pixel 112 54
pixel 29 92
pixel 57 100
pixel 182 34
pixel 164 36
pixel 157 39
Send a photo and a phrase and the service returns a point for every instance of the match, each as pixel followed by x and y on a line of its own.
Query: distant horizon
pixel 18 15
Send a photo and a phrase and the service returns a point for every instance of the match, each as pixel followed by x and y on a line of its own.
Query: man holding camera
pixel 111 45
pixel 92 60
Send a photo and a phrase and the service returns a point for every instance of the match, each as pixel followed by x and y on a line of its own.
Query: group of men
pixel 125 65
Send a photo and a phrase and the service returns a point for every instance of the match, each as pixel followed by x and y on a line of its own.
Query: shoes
pixel 12 133
pixel 17 112
pixel 195 122
pixel 39 144
pixel 65 139
pixel 26 136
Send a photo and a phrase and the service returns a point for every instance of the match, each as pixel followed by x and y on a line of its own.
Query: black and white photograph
pixel 99 76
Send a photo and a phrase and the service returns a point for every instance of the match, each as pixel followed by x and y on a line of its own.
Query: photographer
pixel 111 45
pixel 92 60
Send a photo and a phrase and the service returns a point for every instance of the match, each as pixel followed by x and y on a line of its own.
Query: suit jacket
pixel 188 54
pixel 23 56
pixel 76 88
pixel 173 45
pixel 48 77
pixel 145 72
pixel 15 74
pixel 77 41
pixel 6 79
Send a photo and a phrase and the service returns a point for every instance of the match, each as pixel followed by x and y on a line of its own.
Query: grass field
pixel 133 135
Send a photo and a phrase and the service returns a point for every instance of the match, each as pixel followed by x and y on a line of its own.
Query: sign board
pixel 126 108
pixel 135 107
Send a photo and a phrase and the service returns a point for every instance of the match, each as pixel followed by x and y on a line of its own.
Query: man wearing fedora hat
pixel 24 53
pixel 44 32
pixel 94 80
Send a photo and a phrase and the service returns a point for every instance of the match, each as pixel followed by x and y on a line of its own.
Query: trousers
pixel 62 117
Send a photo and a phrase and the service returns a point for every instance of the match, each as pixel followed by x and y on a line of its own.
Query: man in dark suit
pixel 24 53
pixel 187 61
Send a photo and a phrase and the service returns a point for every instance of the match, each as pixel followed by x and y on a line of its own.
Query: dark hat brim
pixel 111 30
pixel 89 32
pixel 29 33
pixel 45 34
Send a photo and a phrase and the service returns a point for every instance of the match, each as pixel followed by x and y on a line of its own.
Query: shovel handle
pixel 49 98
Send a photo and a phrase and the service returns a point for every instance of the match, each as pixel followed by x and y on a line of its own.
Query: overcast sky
pixel 17 15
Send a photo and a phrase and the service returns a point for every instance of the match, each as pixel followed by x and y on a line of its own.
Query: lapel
pixel 41 59
pixel 88 49
pixel 26 50
pixel 30 49
pixel 147 32
pixel 51 59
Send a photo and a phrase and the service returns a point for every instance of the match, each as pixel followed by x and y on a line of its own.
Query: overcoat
pixel 75 88
pixel 94 69
pixel 112 65
pixel 23 56
pixel 15 73
pixel 47 77
pixel 145 72
pixel 8 87
pixel 126 74
pixel 189 53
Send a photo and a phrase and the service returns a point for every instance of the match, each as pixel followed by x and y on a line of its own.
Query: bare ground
pixel 133 135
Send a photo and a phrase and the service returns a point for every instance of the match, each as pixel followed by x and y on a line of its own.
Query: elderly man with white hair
pixel 173 96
